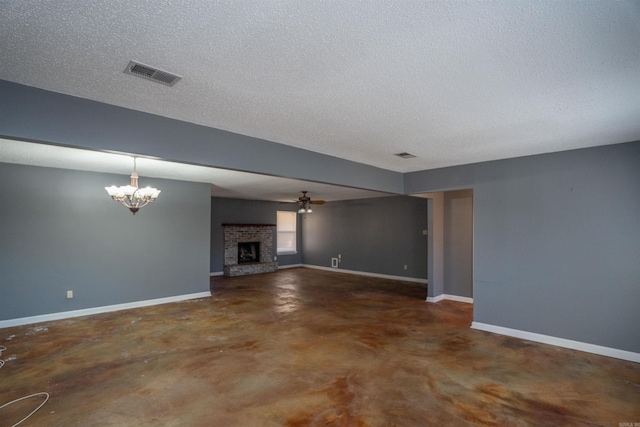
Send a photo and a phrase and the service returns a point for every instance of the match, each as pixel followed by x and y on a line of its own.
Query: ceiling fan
pixel 305 203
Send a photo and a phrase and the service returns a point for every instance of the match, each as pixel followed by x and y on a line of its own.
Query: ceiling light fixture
pixel 132 197
pixel 305 208
pixel 304 202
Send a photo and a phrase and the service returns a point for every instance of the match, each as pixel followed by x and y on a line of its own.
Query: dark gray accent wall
pixel 238 211
pixel 458 243
pixel 38 115
pixel 60 230
pixel 556 242
pixel 377 235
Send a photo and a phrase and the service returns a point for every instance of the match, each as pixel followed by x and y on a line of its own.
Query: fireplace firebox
pixel 248 252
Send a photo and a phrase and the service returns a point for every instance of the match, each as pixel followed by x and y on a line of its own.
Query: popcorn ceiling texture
pixel 451 82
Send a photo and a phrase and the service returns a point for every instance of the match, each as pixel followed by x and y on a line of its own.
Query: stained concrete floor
pixel 304 347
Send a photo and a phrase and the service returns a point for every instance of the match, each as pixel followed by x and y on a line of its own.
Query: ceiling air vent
pixel 151 73
pixel 405 155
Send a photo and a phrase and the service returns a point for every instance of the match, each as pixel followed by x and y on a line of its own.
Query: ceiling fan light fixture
pixel 305 202
pixel 304 208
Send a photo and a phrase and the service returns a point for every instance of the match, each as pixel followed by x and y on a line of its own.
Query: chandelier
pixel 132 197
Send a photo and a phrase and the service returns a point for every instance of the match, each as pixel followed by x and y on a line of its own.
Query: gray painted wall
pixel 556 246
pixel 377 235
pixel 458 243
pixel 435 244
pixel 38 115
pixel 237 211
pixel 53 240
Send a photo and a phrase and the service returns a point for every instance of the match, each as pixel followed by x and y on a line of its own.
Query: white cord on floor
pixel 27 397
pixel 42 393
pixel 2 348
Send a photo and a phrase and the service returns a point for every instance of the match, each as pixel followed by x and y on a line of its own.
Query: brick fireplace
pixel 237 238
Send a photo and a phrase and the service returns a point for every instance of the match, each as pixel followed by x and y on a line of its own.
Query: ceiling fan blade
pixel 317 202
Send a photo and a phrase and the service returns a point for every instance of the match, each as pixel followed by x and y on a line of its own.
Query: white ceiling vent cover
pixel 151 73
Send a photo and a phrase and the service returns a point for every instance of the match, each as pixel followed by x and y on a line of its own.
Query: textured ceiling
pixel 451 82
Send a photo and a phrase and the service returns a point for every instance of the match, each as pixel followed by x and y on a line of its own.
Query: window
pixel 287 233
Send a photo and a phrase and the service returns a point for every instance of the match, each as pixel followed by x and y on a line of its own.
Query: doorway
pixel 450 245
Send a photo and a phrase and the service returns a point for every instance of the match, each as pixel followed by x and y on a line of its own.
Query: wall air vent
pixel 405 155
pixel 151 73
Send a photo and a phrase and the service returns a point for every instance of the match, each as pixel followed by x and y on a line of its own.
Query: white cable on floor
pixel 2 348
pixel 27 397
pixel 42 393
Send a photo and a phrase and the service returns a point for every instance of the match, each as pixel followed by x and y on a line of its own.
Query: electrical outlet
pixel 405 266
pixel 425 232
pixel 69 294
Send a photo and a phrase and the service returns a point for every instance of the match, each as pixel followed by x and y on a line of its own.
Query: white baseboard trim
pixel 97 310
pixel 458 298
pixel 450 297
pixel 282 267
pixel 364 273
pixel 216 273
pixel 560 342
